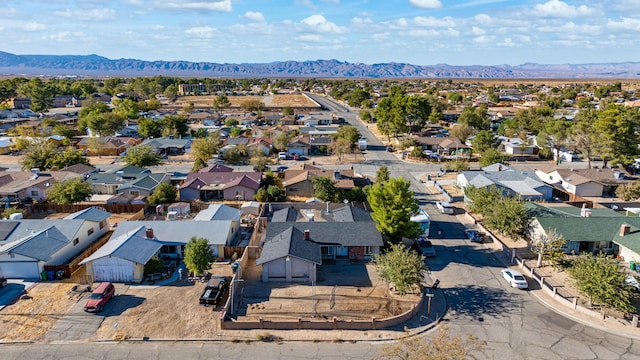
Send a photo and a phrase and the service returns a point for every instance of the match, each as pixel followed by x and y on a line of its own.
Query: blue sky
pixel 421 32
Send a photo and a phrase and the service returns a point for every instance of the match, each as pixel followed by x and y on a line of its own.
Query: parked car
pixel 426 247
pixel 515 278
pixel 213 291
pixel 283 155
pixel 100 297
pixel 632 281
pixel 296 157
pixel 444 207
pixel 475 235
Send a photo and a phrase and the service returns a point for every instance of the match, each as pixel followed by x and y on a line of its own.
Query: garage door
pixel 20 269
pixel 112 269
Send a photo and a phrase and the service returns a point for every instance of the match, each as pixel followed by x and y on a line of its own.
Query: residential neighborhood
pixel 295 209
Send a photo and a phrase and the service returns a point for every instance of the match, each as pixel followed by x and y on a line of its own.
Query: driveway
pixel 77 324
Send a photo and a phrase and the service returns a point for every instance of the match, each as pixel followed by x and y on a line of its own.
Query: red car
pixel 296 157
pixel 100 297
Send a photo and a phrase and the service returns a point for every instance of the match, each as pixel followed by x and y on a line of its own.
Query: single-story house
pixel 169 145
pixel 134 243
pixel 27 245
pixel 525 185
pixel 293 249
pixel 582 183
pixel 211 186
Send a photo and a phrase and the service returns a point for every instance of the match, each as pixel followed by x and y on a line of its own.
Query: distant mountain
pixel 94 65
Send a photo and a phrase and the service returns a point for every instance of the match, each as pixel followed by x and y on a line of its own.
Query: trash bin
pixel 632 265
pixel 43 275
pixel 50 274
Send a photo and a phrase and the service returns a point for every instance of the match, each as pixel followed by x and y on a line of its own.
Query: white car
pixel 515 278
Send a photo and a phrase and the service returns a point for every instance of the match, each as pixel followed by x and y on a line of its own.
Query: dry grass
pixel 32 317
pixel 206 101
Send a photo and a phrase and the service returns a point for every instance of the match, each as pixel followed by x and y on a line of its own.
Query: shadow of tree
pixel 478 302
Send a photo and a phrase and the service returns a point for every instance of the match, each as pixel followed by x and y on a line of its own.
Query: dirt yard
pixel 269 100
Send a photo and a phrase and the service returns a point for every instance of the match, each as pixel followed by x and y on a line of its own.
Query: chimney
pixel 625 229
pixel 585 212
pixel 500 167
pixel 307 234
pixel 149 233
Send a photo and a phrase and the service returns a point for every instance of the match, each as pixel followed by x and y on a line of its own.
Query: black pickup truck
pixel 213 291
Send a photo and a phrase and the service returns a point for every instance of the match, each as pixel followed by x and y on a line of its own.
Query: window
pixel 75 241
pixel 369 250
pixel 326 250
pixel 90 232
pixel 34 193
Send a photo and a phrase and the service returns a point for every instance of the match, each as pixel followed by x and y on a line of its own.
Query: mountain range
pixel 94 65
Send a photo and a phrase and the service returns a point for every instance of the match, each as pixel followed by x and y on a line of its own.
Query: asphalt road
pixel 512 322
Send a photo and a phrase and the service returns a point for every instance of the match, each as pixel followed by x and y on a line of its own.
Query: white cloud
pixel 310 38
pixel 359 20
pixel 483 19
pixel 254 16
pixel 7 12
pixel 434 22
pixel 557 8
pixel 307 3
pixel 198 6
pixel 157 27
pixel 426 4
pixel 318 23
pixel 95 14
pixel 204 32
pixel 625 24
pixel 66 36
pixel 133 2
pixel 331 1
pixel 484 39
pixel 381 36
pixel 33 26
pixel 477 31
pixel 507 42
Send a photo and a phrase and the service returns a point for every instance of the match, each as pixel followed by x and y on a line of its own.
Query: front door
pixel 343 251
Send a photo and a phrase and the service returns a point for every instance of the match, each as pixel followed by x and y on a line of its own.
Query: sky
pixel 420 32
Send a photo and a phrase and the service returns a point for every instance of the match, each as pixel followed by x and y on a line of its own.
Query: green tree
pixel 549 247
pixel 13 210
pixel 281 141
pixel 39 155
pixel 90 108
pixel 41 94
pixel 164 193
pixel 324 188
pixel 70 156
pixel 231 122
pixel 482 199
pixel 393 205
pixel 287 111
pixel 221 102
pixel 142 156
pixel 7 92
pixel 154 265
pixel 70 191
pixel 348 132
pixel 259 160
pixel 441 346
pixel 493 156
pixel 582 134
pixel 340 146
pixel 275 194
pixel 253 105
pixel 203 149
pixel 483 141
pixel 197 255
pixel 149 128
pixel 474 117
pixel 508 217
pixel 629 191
pixel 616 134
pixel 175 125
pixel 600 279
pixel 261 195
pixel 382 174
pixel 126 108
pixel 462 132
pixel 400 266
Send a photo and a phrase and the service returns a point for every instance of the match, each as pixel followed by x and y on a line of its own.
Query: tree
pixel 348 132
pixel 39 155
pixel 484 140
pixel 174 125
pixel 125 108
pixel 508 217
pixel 287 111
pixel 197 255
pixel 149 128
pixel 493 156
pixel 382 174
pixel 462 132
pixel 163 194
pixel 41 94
pixel 628 192
pixel 253 105
pixel 549 247
pixel 70 156
pixel 340 146
pixel 457 165
pixel 324 188
pixel 259 160
pixel 616 134
pixel 276 194
pixel 7 92
pixel 393 205
pixel 281 141
pixel 91 108
pixel 203 149
pixel 400 266
pixel 142 156
pixel 221 102
pixel 600 279
pixel 441 346
pixel 70 191
pixel 582 135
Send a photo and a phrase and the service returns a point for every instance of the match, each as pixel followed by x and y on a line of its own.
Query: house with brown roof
pixel 212 186
pixel 103 145
pixel 19 186
pixel 298 181
pixel 578 184
pixel 299 146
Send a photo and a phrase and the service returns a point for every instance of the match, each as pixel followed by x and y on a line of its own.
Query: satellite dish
pixel 345 201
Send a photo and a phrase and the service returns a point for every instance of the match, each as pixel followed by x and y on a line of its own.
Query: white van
pixel 444 207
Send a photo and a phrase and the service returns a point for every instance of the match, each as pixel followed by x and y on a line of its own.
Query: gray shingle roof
pixel 218 212
pixel 180 231
pixel 132 246
pixel 333 233
pixel 41 245
pixel 289 242
pixel 92 214
pixel 68 227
